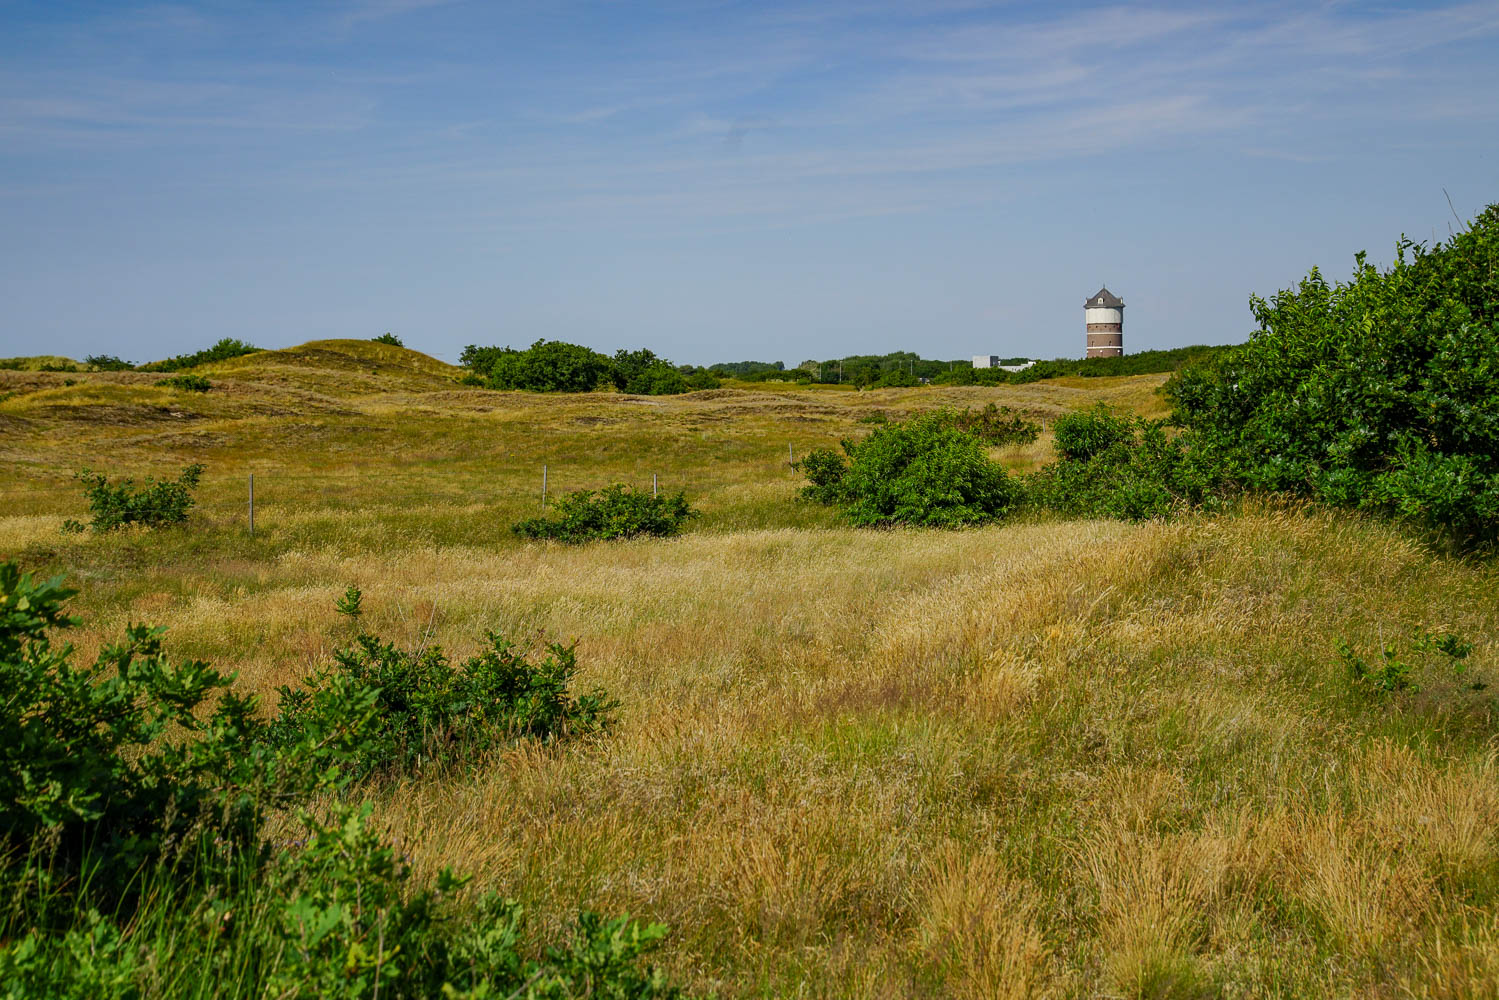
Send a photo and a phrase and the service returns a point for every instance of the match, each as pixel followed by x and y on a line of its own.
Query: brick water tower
pixel 1103 314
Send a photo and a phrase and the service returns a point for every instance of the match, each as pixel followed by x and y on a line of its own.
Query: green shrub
pixel 156 504
pixel 644 374
pixel 703 379
pixel 187 383
pixel 221 351
pixel 388 338
pixel 1117 466
pixel 133 795
pixel 1381 393
pixel 998 425
pixel 545 366
pixel 107 363
pixel 88 773
pixel 384 710
pixel 922 471
pixel 616 511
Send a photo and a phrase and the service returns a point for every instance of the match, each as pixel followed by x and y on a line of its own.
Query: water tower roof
pixel 1105 298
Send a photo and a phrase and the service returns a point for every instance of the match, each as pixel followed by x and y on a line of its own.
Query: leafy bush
pixel 107 363
pixel 187 383
pixel 546 366
pixel 221 351
pixel 644 374
pixel 388 338
pixel 616 511
pixel 156 504
pixel 923 471
pixel 1380 394
pixel 86 768
pixel 1117 466
pixel 133 796
pixel 703 379
pixel 997 425
pixel 384 710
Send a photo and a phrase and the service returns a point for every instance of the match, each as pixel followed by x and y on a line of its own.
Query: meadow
pixel 1042 758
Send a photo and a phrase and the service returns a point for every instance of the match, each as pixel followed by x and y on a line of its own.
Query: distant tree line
pixel 556 366
pixel 907 368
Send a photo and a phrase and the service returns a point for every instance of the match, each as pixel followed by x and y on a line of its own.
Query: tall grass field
pixel 1044 758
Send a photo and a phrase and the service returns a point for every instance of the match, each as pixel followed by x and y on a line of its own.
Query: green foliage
pixel 221 351
pixel 1380 394
pixel 350 605
pixel 546 366
pixel 966 374
pixel 187 383
pixel 155 504
pixel 616 511
pixel 108 764
pixel 107 363
pixel 388 338
pixel 739 369
pixel 1117 466
pixel 1392 675
pixel 133 796
pixel 898 378
pixel 382 710
pixel 998 425
pixel 703 379
pixel 644 374
pixel 921 471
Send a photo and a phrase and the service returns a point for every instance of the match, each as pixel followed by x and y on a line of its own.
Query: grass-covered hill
pixel 1053 758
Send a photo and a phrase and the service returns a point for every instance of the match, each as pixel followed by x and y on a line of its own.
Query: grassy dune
pixel 1041 759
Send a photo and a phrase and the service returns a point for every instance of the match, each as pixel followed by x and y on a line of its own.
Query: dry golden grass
pixel 1043 759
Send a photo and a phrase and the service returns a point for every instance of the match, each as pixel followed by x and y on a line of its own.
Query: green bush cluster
pixel 187 383
pixel 545 366
pixel 225 349
pixel 1117 466
pixel 386 710
pixel 1381 393
pixel 554 366
pixel 616 511
pixel 107 363
pixel 134 859
pixel 155 504
pixel 921 471
pixel 388 338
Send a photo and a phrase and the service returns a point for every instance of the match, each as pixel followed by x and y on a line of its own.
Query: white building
pixel 993 361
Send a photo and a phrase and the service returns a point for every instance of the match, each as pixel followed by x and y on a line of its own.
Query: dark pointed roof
pixel 1105 299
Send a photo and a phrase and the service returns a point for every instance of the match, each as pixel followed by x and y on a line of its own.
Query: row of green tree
pixel 907 368
pixel 556 366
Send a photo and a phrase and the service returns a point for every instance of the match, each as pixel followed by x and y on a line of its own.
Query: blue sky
pixel 715 180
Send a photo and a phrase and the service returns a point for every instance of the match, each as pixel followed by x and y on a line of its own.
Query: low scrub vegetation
pixel 224 350
pixel 135 798
pixel 388 338
pixel 922 471
pixel 187 383
pixel 389 711
pixel 1110 465
pixel 154 504
pixel 616 511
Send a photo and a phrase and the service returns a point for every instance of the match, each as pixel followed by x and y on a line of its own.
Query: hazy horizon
pixel 715 181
